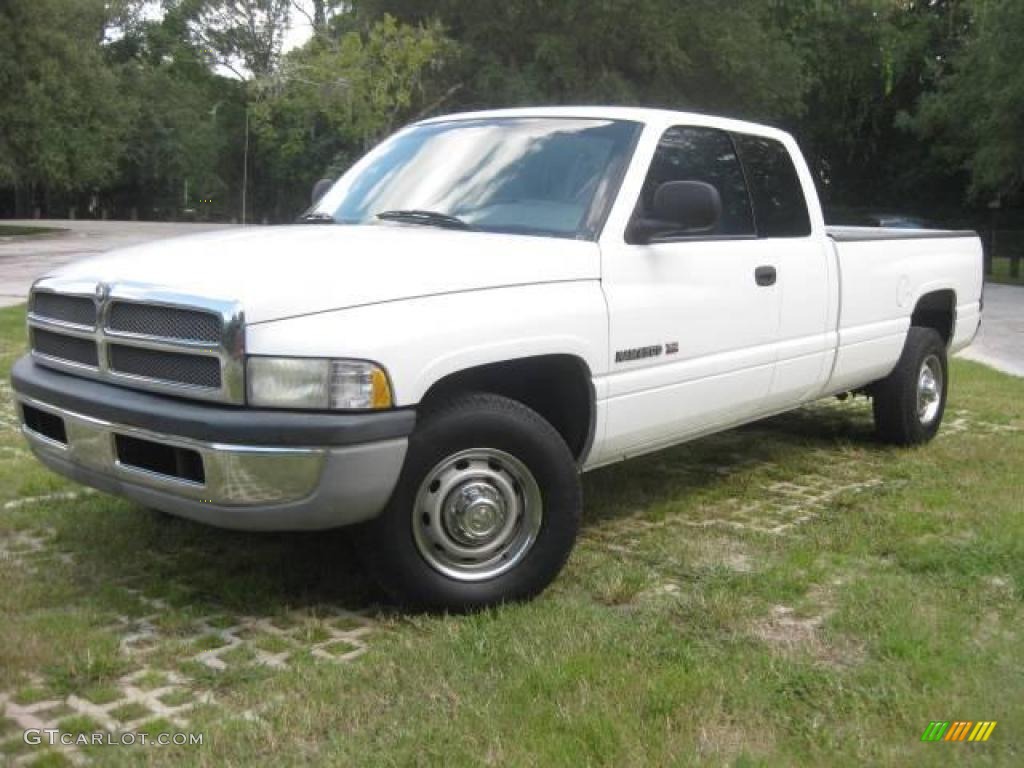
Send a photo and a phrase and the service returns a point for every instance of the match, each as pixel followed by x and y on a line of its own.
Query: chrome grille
pixel 71 348
pixel 79 310
pixel 164 322
pixel 140 336
pixel 190 370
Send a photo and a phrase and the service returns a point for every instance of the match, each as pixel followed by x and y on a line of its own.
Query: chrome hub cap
pixel 929 390
pixel 477 514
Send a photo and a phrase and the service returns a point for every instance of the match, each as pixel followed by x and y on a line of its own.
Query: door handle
pixel 765 276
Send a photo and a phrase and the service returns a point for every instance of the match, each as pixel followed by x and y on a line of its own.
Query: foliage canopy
pixel 898 103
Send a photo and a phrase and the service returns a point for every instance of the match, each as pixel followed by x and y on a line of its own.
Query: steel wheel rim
pixel 477 513
pixel 929 390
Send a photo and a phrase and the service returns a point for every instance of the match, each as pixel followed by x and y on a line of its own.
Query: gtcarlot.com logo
pixel 958 730
pixel 53 737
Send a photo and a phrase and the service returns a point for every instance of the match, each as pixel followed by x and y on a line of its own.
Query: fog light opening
pixel 44 424
pixel 160 458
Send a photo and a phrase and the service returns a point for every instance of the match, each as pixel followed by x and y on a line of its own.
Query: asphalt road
pixel 1000 342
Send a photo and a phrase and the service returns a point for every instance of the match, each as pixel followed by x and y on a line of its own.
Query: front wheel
pixel 486 510
pixel 910 402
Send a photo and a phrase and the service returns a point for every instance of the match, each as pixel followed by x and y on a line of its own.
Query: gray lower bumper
pixel 248 487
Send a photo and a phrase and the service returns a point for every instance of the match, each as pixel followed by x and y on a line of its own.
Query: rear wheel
pixel 910 402
pixel 486 510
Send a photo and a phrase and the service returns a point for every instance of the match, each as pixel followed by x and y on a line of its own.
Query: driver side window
pixel 687 153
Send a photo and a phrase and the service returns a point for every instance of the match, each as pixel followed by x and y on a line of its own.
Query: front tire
pixel 486 510
pixel 909 403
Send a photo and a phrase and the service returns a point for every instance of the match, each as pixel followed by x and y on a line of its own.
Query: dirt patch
pixel 787 631
pixel 961 422
pixel 802 634
pixel 724 742
pixel 33 550
pixel 722 552
pixel 668 589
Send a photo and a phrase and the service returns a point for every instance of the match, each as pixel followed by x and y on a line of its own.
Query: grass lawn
pixel 789 593
pixel 7 230
pixel 1001 273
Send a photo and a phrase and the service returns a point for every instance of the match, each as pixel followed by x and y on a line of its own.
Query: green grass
pixel 1001 273
pixel 789 593
pixel 8 230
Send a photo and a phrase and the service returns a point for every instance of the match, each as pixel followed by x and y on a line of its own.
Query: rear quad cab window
pixel 780 208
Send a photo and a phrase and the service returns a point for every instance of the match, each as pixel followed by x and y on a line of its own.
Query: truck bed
pixel 883 274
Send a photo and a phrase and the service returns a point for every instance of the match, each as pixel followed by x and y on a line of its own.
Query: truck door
pixel 807 281
pixel 694 316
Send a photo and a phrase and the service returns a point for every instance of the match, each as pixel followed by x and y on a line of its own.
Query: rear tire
pixel 909 403
pixel 486 510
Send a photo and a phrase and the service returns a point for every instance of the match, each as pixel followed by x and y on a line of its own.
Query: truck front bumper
pixel 232 467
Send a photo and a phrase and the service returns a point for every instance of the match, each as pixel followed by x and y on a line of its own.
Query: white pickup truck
pixel 484 306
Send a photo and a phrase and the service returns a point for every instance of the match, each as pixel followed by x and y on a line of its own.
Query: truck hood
pixel 288 271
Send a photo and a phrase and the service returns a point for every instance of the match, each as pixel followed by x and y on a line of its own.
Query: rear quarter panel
pixel 881 281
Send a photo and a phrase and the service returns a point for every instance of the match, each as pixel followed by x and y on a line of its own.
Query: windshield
pixel 536 176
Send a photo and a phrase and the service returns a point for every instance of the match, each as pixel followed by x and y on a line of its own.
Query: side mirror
pixel 694 206
pixel 320 189
pixel 680 208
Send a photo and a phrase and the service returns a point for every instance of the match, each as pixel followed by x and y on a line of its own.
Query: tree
pixel 868 62
pixel 184 120
pixel 688 54
pixel 975 118
pixel 62 116
pixel 243 36
pixel 897 103
pixel 336 96
pixel 323 11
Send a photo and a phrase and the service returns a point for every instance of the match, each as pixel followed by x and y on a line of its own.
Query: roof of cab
pixel 659 117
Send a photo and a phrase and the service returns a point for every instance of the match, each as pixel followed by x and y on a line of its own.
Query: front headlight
pixel 317 384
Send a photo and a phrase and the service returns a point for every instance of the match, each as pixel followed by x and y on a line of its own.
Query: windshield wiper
pixel 426 218
pixel 317 217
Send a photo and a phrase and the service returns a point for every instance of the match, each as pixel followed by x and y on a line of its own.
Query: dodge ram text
pixel 484 306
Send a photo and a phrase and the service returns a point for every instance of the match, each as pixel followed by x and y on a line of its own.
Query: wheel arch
pixel 936 309
pixel 559 387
